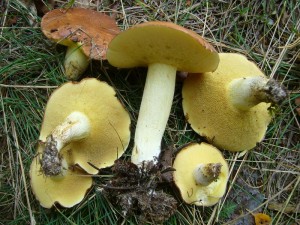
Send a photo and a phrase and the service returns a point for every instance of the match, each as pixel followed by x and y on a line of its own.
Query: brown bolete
pixel 164 48
pixel 230 106
pixel 86 32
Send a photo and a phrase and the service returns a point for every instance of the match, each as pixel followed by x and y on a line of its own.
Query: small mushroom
pixel 230 106
pixel 201 174
pixel 89 119
pixel 163 47
pixel 67 188
pixel 86 33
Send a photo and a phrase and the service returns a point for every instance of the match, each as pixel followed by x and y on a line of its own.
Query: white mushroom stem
pixel 154 112
pixel 76 62
pixel 205 174
pixel 249 91
pixel 75 127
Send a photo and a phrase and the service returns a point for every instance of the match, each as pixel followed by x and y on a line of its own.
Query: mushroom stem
pixel 75 62
pixel 75 127
pixel 154 112
pixel 247 92
pixel 205 174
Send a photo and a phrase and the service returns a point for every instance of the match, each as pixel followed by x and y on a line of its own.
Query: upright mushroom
pixel 230 106
pixel 201 174
pixel 164 48
pixel 89 119
pixel 86 33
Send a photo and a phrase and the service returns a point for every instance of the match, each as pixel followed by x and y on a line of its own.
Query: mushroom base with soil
pixel 136 190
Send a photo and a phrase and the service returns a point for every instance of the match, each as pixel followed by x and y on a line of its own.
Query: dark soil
pixel 137 190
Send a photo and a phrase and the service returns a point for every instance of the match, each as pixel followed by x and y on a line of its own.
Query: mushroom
pixel 163 47
pixel 201 174
pixel 67 189
pixel 231 106
pixel 89 119
pixel 86 33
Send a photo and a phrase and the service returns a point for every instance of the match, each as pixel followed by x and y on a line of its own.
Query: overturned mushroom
pixel 89 119
pixel 67 188
pixel 230 106
pixel 164 48
pixel 84 125
pixel 201 174
pixel 86 33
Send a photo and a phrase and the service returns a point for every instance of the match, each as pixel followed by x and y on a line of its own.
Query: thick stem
pixel 154 112
pixel 247 92
pixel 75 127
pixel 75 62
pixel 205 174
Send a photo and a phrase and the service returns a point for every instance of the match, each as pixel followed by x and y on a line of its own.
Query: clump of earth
pixel 137 191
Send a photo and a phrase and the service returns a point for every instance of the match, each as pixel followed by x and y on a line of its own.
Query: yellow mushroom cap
pixel 109 135
pixel 207 107
pixel 184 164
pixel 67 190
pixel 165 43
pixel 92 29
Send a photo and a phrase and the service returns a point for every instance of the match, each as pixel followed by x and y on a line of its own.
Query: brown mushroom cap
pixel 67 190
pixel 165 43
pixel 109 135
pixel 91 29
pixel 184 164
pixel 208 109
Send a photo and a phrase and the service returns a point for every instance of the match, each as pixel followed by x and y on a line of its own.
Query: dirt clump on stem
pixel 136 190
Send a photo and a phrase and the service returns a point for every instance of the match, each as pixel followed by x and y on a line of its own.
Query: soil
pixel 138 192
pixel 51 161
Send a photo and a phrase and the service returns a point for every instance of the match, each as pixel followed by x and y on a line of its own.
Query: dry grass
pixel 30 68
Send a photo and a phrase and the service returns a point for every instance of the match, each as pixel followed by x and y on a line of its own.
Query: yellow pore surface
pixel 110 122
pixel 211 114
pixel 186 161
pixel 66 190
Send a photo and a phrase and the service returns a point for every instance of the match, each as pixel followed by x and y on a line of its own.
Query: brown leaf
pixel 262 219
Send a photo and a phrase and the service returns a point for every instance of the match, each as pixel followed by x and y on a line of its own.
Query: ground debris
pixel 135 190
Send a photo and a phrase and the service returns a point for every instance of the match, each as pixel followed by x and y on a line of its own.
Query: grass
pixel 31 68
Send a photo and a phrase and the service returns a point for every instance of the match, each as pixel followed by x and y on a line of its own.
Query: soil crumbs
pixel 135 189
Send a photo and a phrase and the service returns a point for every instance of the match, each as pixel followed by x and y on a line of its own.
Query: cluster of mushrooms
pixel 226 98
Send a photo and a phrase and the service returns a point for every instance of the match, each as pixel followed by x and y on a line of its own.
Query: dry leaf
pixel 262 219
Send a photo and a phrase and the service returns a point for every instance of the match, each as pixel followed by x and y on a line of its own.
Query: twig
pixel 26 86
